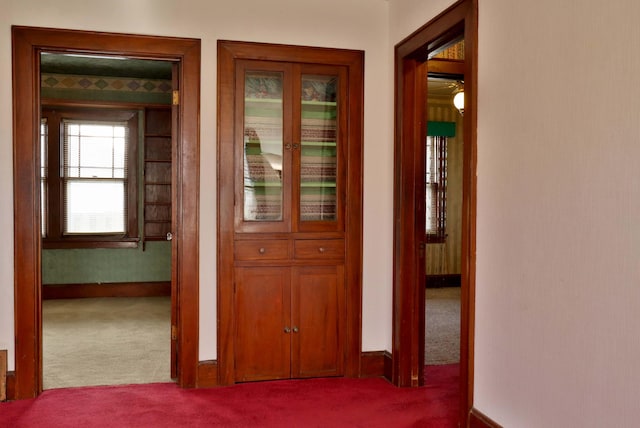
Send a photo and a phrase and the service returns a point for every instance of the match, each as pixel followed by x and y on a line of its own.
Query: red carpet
pixel 334 402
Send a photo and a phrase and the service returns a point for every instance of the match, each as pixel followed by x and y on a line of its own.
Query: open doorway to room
pixel 32 103
pixel 443 208
pixel 459 22
pixel 106 149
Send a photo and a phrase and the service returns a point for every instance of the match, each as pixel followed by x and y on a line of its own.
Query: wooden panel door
pixel 318 319
pixel 262 320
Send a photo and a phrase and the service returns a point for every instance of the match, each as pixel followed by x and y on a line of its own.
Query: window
pixel 436 188
pixel 89 183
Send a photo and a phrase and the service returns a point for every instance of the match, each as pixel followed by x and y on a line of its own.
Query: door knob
pixel 295 329
pixel 287 330
pixel 169 236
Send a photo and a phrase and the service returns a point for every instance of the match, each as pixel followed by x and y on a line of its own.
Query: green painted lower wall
pixel 90 266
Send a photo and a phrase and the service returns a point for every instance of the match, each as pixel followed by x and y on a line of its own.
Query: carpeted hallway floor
pixel 442 326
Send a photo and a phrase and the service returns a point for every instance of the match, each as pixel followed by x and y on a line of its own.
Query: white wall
pixel 352 24
pixel 558 240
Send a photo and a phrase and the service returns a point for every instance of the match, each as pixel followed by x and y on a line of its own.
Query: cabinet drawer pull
pixel 262 250
pixel 295 329
pixel 287 330
pixel 321 249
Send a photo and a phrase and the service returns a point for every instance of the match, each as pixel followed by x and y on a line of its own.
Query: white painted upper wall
pixel 558 238
pixel 350 24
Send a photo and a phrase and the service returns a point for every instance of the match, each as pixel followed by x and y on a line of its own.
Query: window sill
pixel 90 242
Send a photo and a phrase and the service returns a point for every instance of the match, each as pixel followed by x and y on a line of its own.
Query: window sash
pixel 94 175
pixel 436 188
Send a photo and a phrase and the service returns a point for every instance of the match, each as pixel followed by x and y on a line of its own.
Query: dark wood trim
pixel 376 364
pixel 27 44
pixel 388 366
pixel 11 386
pixel 112 289
pixel 55 102
pixel 90 242
pixel 479 420
pixel 446 280
pixel 409 221
pixel 207 374
pixel 3 375
pixel 372 364
pixel 228 53
pixel 55 183
pixel 446 66
pixel 461 19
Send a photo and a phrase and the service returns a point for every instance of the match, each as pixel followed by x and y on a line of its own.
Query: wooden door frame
pixel 410 131
pixel 27 44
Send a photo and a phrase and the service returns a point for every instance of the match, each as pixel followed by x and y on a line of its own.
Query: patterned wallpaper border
pixel 100 83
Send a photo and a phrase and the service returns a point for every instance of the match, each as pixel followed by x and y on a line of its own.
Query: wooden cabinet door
pixel 262 320
pixel 318 317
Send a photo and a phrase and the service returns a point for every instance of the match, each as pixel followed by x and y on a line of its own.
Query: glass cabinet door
pixel 263 158
pixel 318 155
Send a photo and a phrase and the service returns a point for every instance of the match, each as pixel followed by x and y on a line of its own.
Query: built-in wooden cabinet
pixel 157 173
pixel 290 195
pixel 290 319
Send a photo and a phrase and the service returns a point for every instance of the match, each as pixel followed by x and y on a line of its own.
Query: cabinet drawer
pixel 262 250
pixel 319 249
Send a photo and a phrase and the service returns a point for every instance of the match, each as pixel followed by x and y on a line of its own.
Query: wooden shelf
pixel 157 177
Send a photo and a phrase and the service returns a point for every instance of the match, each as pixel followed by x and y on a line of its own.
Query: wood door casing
pixel 27 44
pixel 461 18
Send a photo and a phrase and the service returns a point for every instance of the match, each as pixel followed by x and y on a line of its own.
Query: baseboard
pixel 11 385
pixel 375 364
pixel 207 374
pixel 447 280
pixel 478 420
pixel 372 364
pixel 3 375
pixel 109 289
pixel 388 366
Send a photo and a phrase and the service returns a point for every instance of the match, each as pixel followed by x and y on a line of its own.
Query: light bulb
pixel 458 101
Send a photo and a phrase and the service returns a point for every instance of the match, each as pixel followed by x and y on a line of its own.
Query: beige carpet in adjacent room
pixel 106 341
pixel 442 326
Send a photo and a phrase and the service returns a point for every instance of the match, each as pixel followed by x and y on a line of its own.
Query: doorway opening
pixel 106 174
pixel 443 211
pixel 28 45
pixel 459 22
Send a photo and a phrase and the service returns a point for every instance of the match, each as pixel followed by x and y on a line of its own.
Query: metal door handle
pixel 169 236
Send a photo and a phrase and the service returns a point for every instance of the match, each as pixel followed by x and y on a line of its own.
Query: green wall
pixel 90 266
